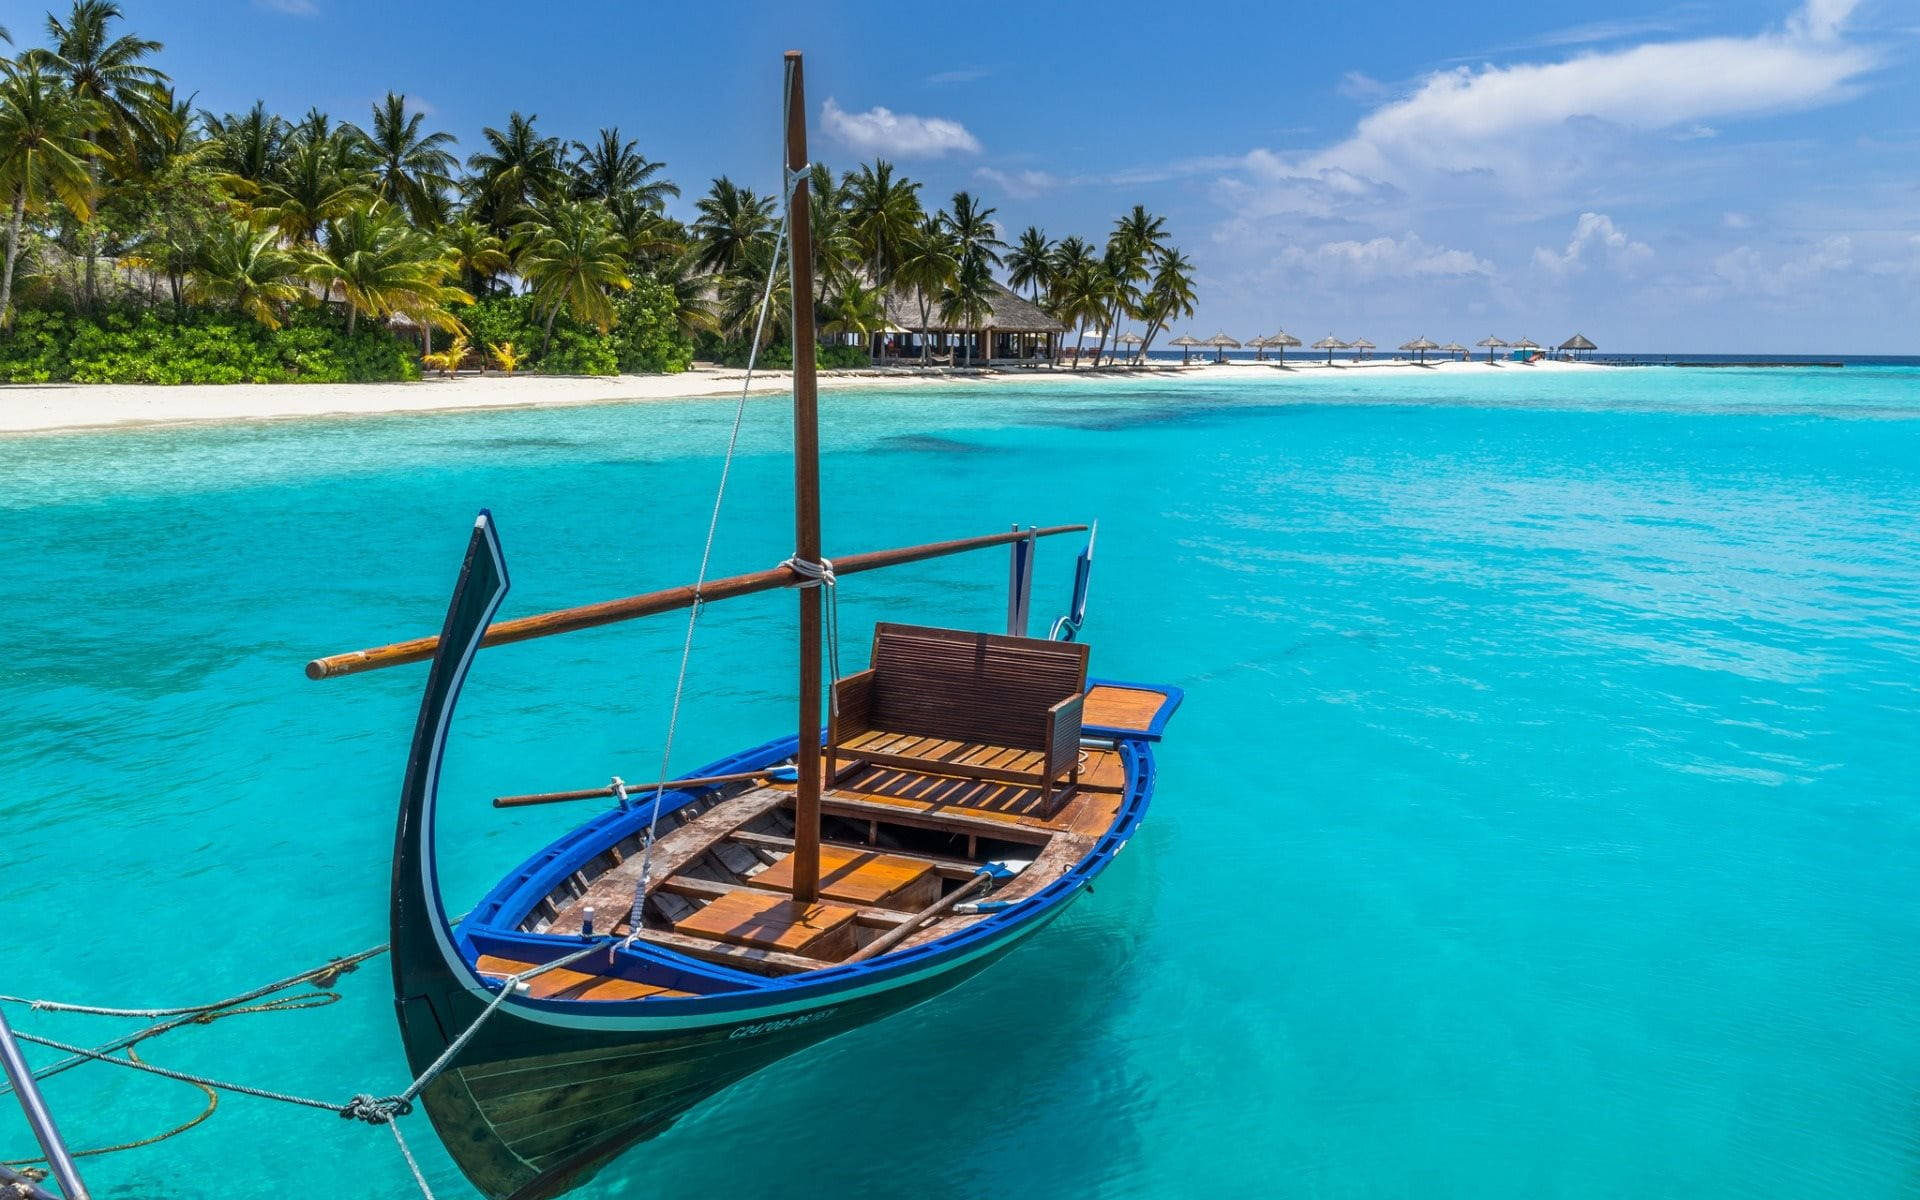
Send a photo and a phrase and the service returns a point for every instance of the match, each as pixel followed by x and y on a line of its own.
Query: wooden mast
pixel 806 485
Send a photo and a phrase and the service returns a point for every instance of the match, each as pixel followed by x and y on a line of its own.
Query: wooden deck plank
pixel 862 877
pixel 611 894
pixel 1122 707
pixel 563 984
pixel 744 917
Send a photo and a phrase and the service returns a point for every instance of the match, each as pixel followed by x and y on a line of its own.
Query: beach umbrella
pixel 1281 341
pixel 1455 348
pixel 1526 344
pixel 1329 343
pixel 1362 345
pixel 1578 343
pixel 1259 345
pixel 1221 344
pixel 1186 342
pixel 1491 343
pixel 1129 339
pixel 1420 346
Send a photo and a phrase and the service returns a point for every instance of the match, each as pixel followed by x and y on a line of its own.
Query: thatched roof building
pixel 1013 328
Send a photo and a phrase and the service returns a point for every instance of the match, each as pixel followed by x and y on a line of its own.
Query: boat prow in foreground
pixel 936 856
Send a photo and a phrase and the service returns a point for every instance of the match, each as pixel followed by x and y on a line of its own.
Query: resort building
pixel 1012 331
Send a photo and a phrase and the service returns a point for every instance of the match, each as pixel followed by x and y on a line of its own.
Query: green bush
pixel 778 356
pixel 154 346
pixel 644 338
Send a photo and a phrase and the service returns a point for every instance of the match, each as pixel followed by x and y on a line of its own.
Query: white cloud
pixel 1357 85
pixel 1749 271
pixel 1502 120
pixel 1022 185
pixel 1407 257
pixel 883 131
pixel 1596 240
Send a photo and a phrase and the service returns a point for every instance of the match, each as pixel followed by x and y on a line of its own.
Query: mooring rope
pixel 363 1107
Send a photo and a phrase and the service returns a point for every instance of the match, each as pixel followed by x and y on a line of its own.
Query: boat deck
pixel 898 841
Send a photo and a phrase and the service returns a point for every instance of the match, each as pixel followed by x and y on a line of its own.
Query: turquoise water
pixel 1542 820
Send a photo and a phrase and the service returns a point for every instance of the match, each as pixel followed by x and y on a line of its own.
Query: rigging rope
pixel 700 579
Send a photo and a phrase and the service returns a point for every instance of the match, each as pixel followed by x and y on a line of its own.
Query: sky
pixel 1696 176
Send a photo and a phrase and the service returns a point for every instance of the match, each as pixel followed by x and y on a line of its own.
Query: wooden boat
pixel 967 788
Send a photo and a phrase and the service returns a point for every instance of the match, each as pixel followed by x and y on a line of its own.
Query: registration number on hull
pixel 775 1026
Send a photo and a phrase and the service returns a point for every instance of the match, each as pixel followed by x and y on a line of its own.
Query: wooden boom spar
pixel 647 604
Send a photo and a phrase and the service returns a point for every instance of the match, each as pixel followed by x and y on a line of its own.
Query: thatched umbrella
pixel 1281 341
pixel 1329 343
pixel 1222 343
pixel 1578 343
pixel 1456 348
pixel 1129 339
pixel 1420 346
pixel 1186 342
pixel 1259 345
pixel 1362 345
pixel 1491 343
pixel 1526 344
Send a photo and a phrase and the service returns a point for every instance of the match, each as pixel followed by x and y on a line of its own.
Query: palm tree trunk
pixel 13 254
pixel 547 334
pixel 353 316
pixel 1079 342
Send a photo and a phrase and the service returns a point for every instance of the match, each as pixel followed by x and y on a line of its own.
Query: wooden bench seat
pixel 563 984
pixel 971 704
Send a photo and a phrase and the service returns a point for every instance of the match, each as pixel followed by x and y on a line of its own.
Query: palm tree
pixel 859 311
pixel 317 182
pixel 974 231
pixel 477 257
pixel 248 147
pixel 1137 239
pixel 731 219
pixel 383 266
pixel 836 252
pixel 99 67
pixel 1170 295
pixel 1079 297
pixel 107 71
pixel 654 240
pixel 1030 262
pixel 612 169
pixel 968 298
pixel 45 152
pixel 692 299
pixel 928 262
pixel 518 168
pixel 248 270
pixel 740 295
pixel 571 258
pixel 884 212
pixel 411 168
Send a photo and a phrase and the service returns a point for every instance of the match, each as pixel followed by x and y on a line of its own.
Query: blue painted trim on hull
pixel 733 996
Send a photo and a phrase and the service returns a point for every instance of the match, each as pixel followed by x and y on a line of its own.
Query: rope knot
pixel 812 574
pixel 375 1111
pixel 796 174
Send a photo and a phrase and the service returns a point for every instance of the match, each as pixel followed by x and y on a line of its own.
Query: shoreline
pixel 28 409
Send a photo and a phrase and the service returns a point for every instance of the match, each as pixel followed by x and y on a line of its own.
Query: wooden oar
pixel 647 604
pixel 901 932
pixel 633 789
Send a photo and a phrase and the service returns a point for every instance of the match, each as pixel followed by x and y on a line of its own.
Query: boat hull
pixel 532 1109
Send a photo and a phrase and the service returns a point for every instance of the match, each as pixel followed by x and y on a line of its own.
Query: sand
pixel 71 407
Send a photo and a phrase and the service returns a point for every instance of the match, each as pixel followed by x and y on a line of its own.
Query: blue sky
pixel 1690 176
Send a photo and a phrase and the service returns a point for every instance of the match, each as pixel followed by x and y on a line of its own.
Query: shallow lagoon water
pixel 1542 820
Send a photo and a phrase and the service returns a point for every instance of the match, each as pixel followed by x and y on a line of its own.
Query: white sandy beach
pixel 67 407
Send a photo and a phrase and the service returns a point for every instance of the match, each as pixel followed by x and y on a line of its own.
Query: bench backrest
pixel 972 687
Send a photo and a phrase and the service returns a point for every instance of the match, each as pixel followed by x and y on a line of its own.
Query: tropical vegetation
pixel 145 239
